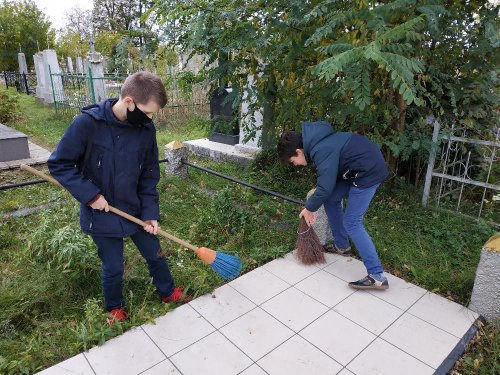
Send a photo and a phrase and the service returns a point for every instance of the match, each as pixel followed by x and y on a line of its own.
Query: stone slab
pixel 219 151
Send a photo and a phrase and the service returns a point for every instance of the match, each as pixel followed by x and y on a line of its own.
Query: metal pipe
pixel 241 182
pixel 13 186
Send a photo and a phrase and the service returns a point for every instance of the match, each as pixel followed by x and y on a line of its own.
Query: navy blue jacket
pixel 341 155
pixel 122 166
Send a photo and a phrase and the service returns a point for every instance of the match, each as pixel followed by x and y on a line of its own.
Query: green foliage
pixel 22 25
pixel 66 249
pixel 9 105
pixel 369 67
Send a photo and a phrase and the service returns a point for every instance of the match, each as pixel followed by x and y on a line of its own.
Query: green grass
pixel 50 293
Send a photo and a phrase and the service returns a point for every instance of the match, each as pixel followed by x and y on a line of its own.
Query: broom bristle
pixel 309 249
pixel 227 266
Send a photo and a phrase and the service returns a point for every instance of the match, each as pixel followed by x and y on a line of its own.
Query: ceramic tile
pixel 400 293
pixel 130 353
pixel 337 336
pixel 254 370
pixel 178 329
pixel 213 354
pixel 259 285
pixel 289 269
pixel 76 365
pixel 294 308
pixel 443 313
pixel 163 368
pixel 325 288
pixel 420 339
pixel 222 306
pixel 298 357
pixel 256 333
pixel 368 311
pixel 382 358
pixel 347 268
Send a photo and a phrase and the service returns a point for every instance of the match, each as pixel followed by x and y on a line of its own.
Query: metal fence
pixel 23 82
pixel 71 92
pixel 463 173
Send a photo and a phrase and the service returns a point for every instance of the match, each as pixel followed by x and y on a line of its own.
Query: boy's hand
pixel 151 227
pixel 100 204
pixel 309 217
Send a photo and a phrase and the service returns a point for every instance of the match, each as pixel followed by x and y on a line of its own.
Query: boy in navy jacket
pixel 109 155
pixel 348 166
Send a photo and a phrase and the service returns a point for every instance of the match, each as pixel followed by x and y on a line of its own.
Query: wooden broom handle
pixel 113 209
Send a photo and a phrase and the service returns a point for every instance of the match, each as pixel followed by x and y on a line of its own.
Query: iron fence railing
pixel 464 166
pixel 71 92
pixel 23 82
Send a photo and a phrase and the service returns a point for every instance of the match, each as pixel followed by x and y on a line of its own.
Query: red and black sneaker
pixel 177 296
pixel 117 315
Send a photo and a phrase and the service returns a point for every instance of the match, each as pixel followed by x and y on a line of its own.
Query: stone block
pixel 485 299
pixel 13 144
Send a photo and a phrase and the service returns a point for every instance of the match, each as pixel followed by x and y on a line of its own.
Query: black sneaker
pixel 369 282
pixel 344 252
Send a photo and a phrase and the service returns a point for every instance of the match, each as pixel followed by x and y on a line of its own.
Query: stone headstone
pixel 97 70
pixel 251 121
pixel 221 117
pixel 23 68
pixel 13 144
pixel 40 76
pixel 70 65
pixel 79 65
pixel 50 60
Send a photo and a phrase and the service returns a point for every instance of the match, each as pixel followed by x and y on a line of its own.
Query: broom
pixel 309 249
pixel 225 265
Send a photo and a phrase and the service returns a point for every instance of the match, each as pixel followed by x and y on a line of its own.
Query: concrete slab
pixel 308 321
pixel 37 155
pixel 219 151
pixel 13 144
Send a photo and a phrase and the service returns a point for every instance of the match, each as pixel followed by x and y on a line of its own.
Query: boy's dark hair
pixel 143 87
pixel 288 144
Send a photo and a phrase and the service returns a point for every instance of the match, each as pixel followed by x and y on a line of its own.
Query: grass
pixel 51 298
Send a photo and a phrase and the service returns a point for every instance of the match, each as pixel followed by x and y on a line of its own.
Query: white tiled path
pixel 284 319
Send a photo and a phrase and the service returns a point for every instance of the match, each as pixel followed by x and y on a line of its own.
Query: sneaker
pixel 117 315
pixel 369 282
pixel 177 296
pixel 344 252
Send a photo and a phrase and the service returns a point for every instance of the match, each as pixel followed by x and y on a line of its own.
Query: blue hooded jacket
pixel 122 166
pixel 341 155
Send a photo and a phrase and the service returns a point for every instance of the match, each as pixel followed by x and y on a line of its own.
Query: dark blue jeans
pixel 349 222
pixel 110 250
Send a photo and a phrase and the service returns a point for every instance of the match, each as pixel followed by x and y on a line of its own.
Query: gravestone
pixel 13 144
pixel 23 68
pixel 97 70
pixel 70 65
pixel 251 121
pixel 50 59
pixel 222 119
pixel 79 65
pixel 40 76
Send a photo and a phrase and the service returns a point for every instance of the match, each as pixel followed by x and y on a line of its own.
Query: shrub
pixel 9 106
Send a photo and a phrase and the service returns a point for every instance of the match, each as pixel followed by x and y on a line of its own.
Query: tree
pixel 22 26
pixel 374 67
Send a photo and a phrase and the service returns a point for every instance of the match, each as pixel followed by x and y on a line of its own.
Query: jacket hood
pixel 313 133
pixel 102 111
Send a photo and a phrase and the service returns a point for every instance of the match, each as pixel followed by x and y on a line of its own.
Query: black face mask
pixel 137 117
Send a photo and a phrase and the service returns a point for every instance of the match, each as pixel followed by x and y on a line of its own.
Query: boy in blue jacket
pixel 348 166
pixel 109 155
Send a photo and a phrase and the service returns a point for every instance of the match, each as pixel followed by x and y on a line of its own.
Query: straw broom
pixel 225 265
pixel 309 249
